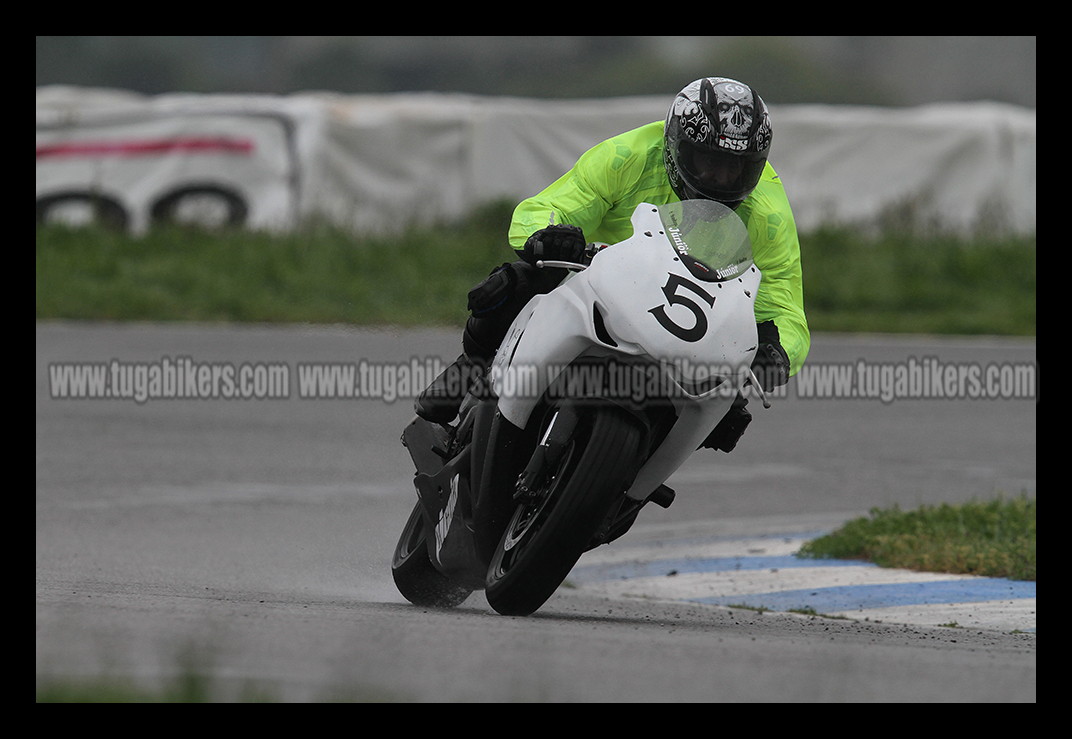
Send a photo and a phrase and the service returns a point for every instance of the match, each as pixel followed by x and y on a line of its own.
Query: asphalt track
pixel 250 538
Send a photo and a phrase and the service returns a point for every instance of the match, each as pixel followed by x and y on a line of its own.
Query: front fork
pixel 548 452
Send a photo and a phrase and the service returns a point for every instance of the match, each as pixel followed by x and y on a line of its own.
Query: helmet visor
pixel 718 175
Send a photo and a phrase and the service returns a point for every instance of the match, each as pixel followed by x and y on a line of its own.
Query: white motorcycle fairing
pixel 639 299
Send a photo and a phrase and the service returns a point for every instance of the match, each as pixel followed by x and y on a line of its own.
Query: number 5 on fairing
pixel 699 328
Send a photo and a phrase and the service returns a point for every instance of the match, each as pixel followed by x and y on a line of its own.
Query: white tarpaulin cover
pixel 382 161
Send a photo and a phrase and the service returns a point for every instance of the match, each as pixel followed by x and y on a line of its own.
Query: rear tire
pixel 414 574
pixel 546 537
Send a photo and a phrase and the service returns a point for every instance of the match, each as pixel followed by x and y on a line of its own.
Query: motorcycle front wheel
pixel 415 576
pixel 550 532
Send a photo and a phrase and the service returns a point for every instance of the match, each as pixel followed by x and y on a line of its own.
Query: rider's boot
pixel 440 401
pixel 494 303
pixel 729 430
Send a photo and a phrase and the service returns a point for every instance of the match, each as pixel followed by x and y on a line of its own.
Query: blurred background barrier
pixel 380 162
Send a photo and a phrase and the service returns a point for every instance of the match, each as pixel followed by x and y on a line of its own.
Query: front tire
pixel 415 576
pixel 547 535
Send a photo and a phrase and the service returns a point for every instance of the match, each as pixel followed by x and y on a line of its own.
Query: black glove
pixel 771 364
pixel 562 242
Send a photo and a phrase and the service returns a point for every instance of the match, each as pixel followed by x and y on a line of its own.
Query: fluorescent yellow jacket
pixel 606 184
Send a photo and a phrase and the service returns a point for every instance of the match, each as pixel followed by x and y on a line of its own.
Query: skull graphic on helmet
pixel 735 108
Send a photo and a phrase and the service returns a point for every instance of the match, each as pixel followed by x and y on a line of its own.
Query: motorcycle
pixel 601 389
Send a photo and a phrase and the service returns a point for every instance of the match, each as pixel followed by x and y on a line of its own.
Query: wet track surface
pixel 254 536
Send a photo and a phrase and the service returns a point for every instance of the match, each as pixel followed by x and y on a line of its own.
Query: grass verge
pixel 904 282
pixel 320 275
pixel 891 283
pixel 993 538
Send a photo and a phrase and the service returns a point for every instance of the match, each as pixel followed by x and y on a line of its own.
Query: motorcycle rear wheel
pixel 547 536
pixel 415 576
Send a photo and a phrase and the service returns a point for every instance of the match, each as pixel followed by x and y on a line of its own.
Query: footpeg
pixel 662 497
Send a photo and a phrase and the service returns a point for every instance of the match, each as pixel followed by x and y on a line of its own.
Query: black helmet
pixel 718 134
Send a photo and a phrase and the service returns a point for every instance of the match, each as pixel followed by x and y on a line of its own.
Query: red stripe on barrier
pixel 147 147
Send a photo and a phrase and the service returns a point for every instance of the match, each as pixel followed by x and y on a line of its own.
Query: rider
pixel 714 145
